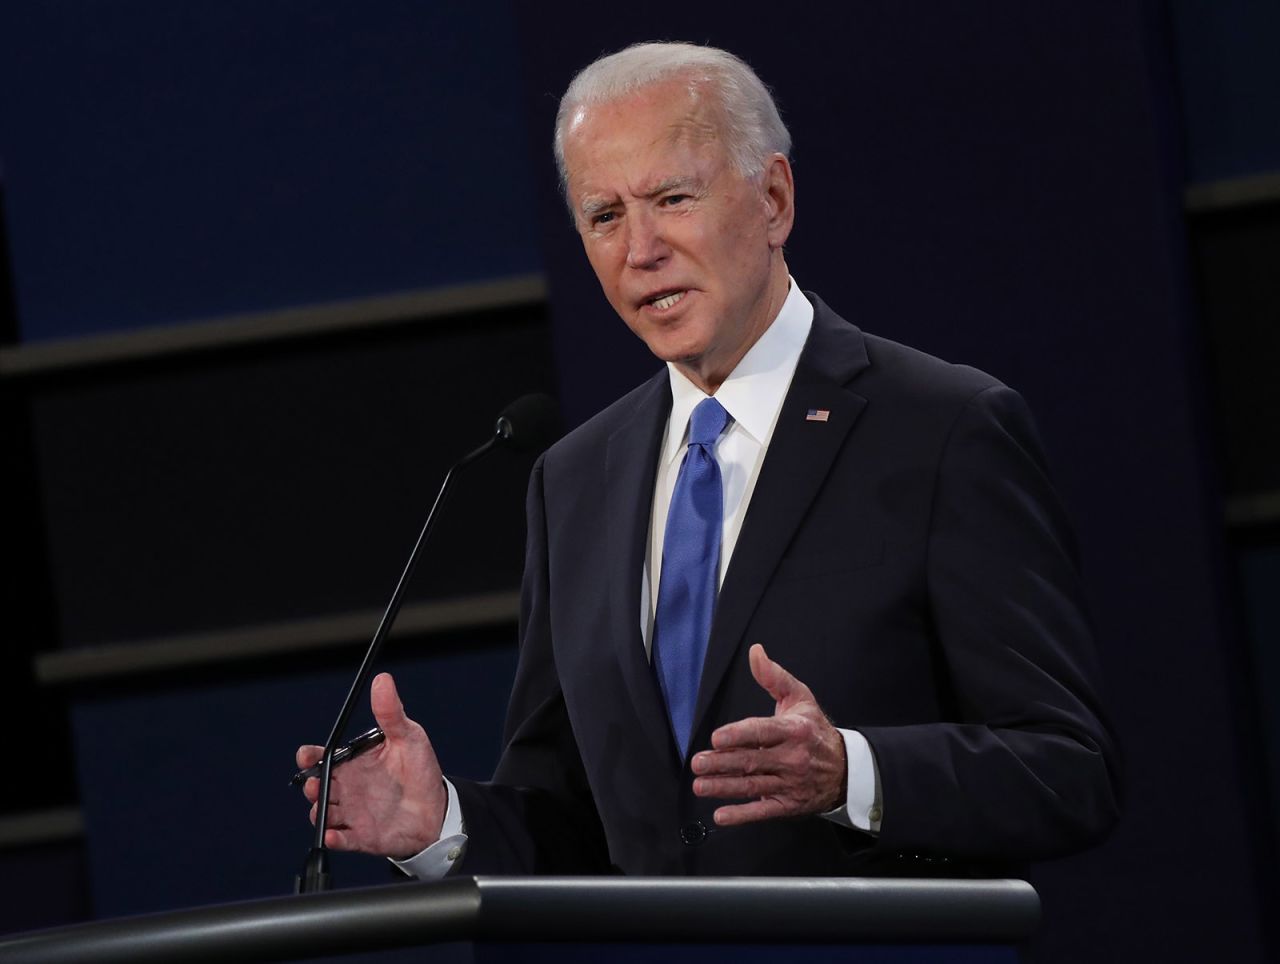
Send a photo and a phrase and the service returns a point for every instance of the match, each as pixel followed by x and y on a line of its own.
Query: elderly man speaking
pixel 805 602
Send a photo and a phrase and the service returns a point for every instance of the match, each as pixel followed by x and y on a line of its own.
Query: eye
pixel 672 200
pixel 603 218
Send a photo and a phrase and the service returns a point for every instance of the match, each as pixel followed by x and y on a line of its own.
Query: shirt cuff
pixel 861 809
pixel 438 858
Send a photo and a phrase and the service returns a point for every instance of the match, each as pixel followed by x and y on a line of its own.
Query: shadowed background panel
pixel 278 485
pixel 168 162
pixel 1000 185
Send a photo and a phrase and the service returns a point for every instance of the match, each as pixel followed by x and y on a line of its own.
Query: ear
pixel 780 199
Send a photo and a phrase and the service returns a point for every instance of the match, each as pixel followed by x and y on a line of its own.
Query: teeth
pixel 663 303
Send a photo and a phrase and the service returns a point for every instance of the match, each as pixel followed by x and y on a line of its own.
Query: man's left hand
pixel 787 765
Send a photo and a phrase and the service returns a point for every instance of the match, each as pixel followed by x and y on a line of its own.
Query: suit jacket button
pixel 692 834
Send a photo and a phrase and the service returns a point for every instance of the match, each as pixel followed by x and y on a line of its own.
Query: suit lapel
pixel 799 458
pixel 630 467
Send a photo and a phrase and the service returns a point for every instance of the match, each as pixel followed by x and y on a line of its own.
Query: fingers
pixel 337 834
pixel 789 764
pixel 740 787
pixel 390 800
pixel 739 813
pixel 387 708
pixel 308 756
pixel 775 680
pixel 783 757
pixel 311 789
pixel 751 773
pixel 720 762
pixel 338 839
pixel 753 733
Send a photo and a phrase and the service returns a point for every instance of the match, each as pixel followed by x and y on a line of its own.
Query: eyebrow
pixel 686 181
pixel 593 206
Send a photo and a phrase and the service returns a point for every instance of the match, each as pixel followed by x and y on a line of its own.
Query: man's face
pixel 688 252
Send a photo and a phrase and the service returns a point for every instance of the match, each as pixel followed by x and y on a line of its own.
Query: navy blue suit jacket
pixel 908 559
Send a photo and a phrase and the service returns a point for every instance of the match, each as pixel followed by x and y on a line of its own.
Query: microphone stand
pixel 315 872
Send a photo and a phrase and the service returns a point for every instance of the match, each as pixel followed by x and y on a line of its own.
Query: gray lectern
pixel 941 920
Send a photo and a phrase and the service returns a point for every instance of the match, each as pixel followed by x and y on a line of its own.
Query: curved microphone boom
pixel 528 424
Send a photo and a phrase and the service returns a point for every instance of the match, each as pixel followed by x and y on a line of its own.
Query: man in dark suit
pixel 803 603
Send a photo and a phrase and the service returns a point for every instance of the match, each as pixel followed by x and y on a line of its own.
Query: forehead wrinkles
pixel 671 164
pixel 701 122
pixel 695 128
pixel 615 135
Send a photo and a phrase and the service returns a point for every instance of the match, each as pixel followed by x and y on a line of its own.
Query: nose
pixel 645 245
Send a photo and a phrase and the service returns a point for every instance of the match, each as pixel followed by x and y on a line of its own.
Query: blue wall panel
pixel 165 162
pixel 1230 80
pixel 1260 576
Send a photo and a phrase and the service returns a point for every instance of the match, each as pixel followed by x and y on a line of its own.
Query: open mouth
pixel 665 301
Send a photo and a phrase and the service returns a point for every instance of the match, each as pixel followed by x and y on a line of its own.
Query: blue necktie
pixel 690 565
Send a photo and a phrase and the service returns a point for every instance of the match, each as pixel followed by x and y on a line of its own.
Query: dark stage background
pixel 268 268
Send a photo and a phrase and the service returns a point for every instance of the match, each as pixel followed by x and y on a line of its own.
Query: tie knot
pixel 707 422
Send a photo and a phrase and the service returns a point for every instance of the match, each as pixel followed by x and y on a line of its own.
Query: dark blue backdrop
pixel 165 163
pixel 996 185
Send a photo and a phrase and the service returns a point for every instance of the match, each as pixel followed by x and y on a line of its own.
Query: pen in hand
pixel 348 751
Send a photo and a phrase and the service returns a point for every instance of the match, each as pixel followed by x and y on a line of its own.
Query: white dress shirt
pixel 752 395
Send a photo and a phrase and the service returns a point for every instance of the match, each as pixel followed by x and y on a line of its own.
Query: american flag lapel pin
pixel 817 415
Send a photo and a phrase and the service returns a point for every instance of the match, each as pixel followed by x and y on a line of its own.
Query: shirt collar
pixel 754 390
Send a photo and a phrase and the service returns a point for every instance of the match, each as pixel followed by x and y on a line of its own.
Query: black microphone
pixel 528 424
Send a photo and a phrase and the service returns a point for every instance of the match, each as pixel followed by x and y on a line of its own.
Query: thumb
pixel 775 680
pixel 388 711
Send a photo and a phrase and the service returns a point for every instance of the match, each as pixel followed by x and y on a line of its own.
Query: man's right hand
pixel 391 800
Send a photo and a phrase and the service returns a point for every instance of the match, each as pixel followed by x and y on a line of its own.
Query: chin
pixel 675 345
pixel 674 353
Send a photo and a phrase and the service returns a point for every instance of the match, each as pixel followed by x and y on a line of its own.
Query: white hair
pixel 753 129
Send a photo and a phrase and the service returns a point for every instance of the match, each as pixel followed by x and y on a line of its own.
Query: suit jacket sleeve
pixel 1026 768
pixel 537 815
